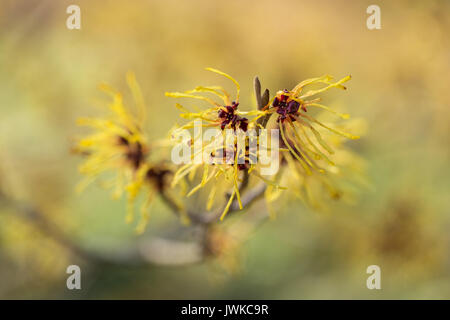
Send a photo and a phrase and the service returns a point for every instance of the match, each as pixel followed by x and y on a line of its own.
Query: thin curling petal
pixel 321 106
pixel 344 134
pixel 238 87
pixel 323 79
pixel 186 95
pixel 227 207
pixel 138 97
pixel 217 90
pixel 331 85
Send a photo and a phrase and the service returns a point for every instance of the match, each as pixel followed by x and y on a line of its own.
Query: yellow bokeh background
pixel 400 78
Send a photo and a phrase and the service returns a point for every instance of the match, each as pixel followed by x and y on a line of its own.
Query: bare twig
pixel 131 255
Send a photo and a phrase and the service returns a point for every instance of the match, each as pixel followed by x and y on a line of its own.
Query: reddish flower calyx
pixel 286 106
pixel 228 116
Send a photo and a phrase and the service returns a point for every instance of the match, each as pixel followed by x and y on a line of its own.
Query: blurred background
pixel 49 76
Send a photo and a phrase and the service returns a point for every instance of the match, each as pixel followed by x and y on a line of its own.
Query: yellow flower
pixel 236 164
pixel 306 151
pixel 224 114
pixel 118 147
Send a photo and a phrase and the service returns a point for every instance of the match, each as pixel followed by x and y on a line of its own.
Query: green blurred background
pixel 400 85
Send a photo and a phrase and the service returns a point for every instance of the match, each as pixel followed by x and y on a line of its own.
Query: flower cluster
pixel 119 145
pixel 224 115
pixel 310 171
pixel 118 150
